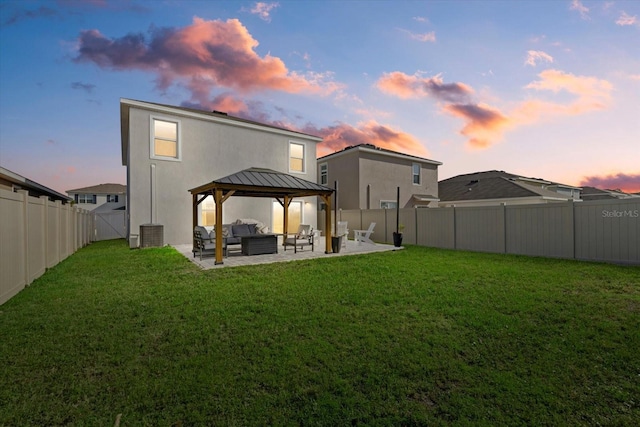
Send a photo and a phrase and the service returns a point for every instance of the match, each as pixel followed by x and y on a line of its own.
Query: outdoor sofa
pixel 231 233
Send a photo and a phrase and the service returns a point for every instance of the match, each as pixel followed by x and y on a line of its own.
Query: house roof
pixel 258 182
pixel 493 187
pixel 215 116
pixel 593 193
pixel 475 176
pixel 36 190
pixel 100 189
pixel 370 148
pixel 496 184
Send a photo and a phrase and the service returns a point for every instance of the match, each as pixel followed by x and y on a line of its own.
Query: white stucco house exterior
pixel 169 150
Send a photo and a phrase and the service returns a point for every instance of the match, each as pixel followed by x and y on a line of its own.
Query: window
pixel 208 211
pixel 296 157
pixel 324 174
pixel 165 141
pixel 112 198
pixel 387 204
pixel 415 170
pixel 86 198
pixel 295 216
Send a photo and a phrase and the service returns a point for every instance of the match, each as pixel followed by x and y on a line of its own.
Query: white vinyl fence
pixel 36 234
pixel 602 230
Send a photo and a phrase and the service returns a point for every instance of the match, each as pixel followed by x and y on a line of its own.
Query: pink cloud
pixel 405 86
pixel 204 55
pixel 342 135
pixel 484 124
pixel 626 19
pixel 592 94
pixel 263 10
pixel 535 56
pixel 580 8
pixel 629 183
pixel 422 37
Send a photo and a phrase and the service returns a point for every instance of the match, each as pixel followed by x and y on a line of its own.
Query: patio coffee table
pixel 259 244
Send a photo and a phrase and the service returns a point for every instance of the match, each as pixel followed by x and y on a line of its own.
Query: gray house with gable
pixel 169 150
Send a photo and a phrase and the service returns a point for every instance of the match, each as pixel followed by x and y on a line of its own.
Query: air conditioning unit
pixel 151 235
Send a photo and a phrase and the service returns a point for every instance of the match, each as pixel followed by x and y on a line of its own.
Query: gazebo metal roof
pixel 257 182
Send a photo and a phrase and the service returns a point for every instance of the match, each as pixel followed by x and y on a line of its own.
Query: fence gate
pixel 110 225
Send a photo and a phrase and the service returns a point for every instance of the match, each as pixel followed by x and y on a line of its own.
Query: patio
pixel 236 259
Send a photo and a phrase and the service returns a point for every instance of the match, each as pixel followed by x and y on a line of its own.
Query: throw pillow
pixel 240 230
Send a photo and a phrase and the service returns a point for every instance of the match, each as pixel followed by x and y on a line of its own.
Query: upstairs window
pixel 415 172
pixel 112 198
pixel 296 157
pixel 165 142
pixel 324 174
pixel 86 198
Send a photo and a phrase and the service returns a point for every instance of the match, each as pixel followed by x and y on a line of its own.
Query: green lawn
pixel 414 337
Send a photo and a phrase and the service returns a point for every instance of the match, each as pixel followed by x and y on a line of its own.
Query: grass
pixel 413 337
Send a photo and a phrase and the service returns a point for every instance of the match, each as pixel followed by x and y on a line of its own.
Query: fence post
pixel 25 238
pixel 504 226
pixel 573 223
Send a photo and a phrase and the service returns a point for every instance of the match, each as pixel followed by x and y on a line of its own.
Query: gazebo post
pixel 285 220
pixel 327 220
pixel 217 196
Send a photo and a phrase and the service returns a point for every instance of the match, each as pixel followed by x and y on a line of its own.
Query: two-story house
pixel 102 197
pixel 368 178
pixel 169 150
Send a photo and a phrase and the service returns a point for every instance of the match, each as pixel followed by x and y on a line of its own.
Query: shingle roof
pixel 493 185
pixel 593 193
pixel 490 188
pixel 100 189
pixel 474 176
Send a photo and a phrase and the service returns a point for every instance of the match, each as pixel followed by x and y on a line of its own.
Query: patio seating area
pixel 237 259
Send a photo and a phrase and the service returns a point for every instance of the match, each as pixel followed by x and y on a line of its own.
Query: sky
pixel 544 89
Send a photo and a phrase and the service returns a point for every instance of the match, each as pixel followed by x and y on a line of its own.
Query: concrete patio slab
pixel 236 259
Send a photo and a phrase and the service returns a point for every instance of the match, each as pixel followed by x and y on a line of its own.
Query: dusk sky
pixel 547 89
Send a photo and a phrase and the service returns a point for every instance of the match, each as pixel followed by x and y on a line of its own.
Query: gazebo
pixel 257 182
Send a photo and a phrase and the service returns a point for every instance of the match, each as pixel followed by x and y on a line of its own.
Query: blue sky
pixel 547 89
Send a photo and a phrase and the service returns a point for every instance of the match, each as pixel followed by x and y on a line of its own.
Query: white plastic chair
pixel 342 230
pixel 364 235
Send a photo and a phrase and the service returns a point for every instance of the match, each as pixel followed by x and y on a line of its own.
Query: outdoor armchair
pixel 203 243
pixel 303 237
pixel 364 235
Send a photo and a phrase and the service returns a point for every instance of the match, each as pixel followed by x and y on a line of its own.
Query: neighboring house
pixel 592 193
pixel 492 188
pixel 103 197
pixel 368 178
pixel 169 150
pixel 11 181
